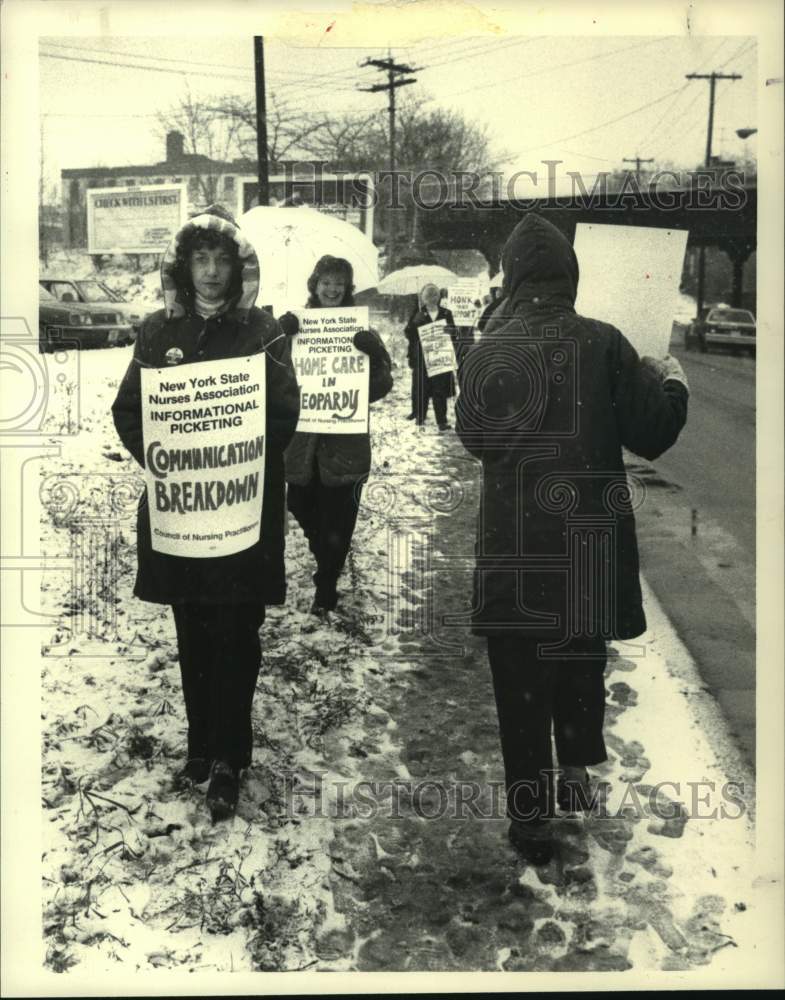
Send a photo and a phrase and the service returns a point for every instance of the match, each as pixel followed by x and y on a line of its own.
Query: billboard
pixel 134 219
pixel 345 196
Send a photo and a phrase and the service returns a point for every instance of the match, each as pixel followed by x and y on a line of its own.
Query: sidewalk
pixel 311 874
pixel 627 891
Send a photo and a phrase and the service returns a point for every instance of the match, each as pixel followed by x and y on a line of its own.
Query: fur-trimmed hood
pixel 176 301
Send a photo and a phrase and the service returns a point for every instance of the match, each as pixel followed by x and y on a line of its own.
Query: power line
pixel 596 128
pixel 160 69
pixel 300 77
pixel 483 50
pixel 81 116
pixel 121 65
pixel 736 54
pixel 648 137
pixel 142 55
pixel 558 66
pixel 184 72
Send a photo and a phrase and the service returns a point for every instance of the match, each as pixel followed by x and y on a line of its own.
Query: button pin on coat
pixel 174 356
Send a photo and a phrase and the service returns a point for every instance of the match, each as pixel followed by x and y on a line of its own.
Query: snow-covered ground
pixel 136 877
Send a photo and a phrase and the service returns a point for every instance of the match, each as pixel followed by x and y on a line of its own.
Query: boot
pixel 532 840
pixel 195 772
pixel 576 792
pixel 223 790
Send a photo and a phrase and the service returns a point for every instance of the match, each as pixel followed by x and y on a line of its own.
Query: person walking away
pixel 210 278
pixel 548 400
pixel 326 472
pixel 424 387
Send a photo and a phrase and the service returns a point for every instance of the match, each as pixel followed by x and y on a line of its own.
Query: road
pixel 697 532
pixel 714 460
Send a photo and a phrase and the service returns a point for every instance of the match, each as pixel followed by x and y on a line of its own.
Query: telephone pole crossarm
pixel 637 160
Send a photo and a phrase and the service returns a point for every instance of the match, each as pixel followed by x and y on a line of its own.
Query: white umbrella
pixel 289 241
pixel 409 280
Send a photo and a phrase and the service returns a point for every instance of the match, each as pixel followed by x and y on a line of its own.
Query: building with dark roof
pixel 232 183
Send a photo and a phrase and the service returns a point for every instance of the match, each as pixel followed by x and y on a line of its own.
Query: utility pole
pixel 712 78
pixel 637 161
pixel 395 71
pixel 261 122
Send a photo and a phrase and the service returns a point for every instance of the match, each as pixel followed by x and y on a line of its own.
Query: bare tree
pixel 208 138
pixel 288 132
pixel 428 137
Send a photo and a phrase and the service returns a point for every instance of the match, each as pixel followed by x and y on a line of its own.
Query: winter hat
pixel 215 226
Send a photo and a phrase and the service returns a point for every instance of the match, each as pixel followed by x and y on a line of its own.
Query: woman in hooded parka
pixel 424 387
pixel 326 472
pixel 210 278
pixel 548 400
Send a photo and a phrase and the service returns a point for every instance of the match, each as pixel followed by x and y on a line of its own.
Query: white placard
pixel 461 296
pixel 139 219
pixel 204 437
pixel 332 374
pixel 629 277
pixel 437 348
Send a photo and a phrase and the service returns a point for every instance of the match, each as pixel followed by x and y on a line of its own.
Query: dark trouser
pixel 327 515
pixel 422 393
pixel 220 655
pixel 535 695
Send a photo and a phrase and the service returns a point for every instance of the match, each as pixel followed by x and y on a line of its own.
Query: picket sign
pixel 437 348
pixel 461 296
pixel 203 427
pixel 630 277
pixel 332 373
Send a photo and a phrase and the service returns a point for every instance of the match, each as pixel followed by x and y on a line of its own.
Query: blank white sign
pixel 630 276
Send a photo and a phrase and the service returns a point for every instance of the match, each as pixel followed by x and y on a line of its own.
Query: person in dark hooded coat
pixel 548 400
pixel 210 278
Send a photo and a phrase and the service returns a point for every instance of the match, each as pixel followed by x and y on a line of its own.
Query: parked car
pixel 734 328
pixel 80 324
pixel 93 292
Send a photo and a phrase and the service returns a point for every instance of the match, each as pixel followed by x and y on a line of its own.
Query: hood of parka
pixel 177 300
pixel 539 263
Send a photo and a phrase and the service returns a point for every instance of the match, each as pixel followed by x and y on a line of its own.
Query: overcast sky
pixel 554 98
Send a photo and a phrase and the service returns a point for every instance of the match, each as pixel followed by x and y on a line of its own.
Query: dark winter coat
pixel 341 458
pixel 436 385
pixel 255 575
pixel 548 399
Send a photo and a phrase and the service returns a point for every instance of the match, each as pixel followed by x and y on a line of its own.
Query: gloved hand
pixel 667 369
pixel 365 341
pixel 289 323
pixel 674 371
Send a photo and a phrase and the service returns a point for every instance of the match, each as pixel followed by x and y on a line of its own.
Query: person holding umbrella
pixel 326 472
pixel 424 388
